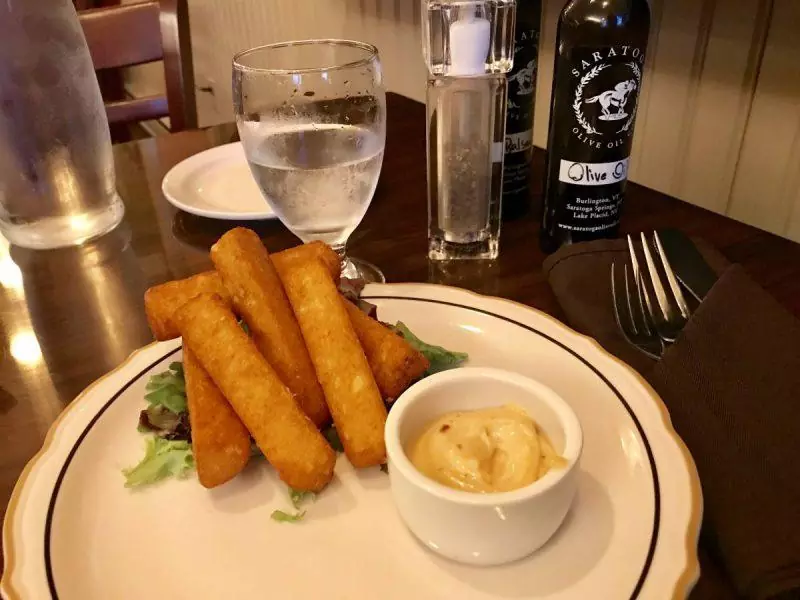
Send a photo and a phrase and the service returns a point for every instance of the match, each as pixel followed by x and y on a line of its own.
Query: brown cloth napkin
pixel 731 383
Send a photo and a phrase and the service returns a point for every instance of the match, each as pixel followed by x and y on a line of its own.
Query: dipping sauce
pixel 489 450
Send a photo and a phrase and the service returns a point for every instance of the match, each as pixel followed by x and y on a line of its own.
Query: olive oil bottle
pixel 599 62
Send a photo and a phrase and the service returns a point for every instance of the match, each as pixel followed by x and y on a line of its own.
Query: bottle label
pixel 600 111
pixel 519 116
pixel 522 88
pixel 517 142
pixel 605 96
pixel 580 173
pixel 591 212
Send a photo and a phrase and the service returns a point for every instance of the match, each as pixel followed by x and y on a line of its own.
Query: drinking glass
pixel 312 118
pixel 57 180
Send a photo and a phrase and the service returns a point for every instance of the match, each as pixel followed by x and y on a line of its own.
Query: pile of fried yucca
pixel 308 355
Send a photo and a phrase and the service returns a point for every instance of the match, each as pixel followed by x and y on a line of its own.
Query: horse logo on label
pixel 612 102
pixel 524 79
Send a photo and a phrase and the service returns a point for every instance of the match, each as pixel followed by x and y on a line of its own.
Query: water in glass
pixel 311 115
pixel 319 178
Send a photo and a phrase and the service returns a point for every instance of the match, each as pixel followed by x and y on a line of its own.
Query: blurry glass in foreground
pixel 312 119
pixel 57 185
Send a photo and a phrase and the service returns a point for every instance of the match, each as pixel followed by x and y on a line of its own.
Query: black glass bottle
pixel 599 62
pixel 519 116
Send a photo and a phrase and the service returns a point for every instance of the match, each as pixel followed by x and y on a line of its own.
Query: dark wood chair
pixel 134 34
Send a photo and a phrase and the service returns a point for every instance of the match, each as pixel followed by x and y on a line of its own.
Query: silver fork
pixel 671 312
pixel 632 318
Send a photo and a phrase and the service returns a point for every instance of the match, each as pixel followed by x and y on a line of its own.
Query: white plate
pixel 216 183
pixel 72 531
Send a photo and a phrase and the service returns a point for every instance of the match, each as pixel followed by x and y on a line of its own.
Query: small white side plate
pixel 216 183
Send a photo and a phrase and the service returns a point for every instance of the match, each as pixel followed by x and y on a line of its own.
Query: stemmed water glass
pixel 312 118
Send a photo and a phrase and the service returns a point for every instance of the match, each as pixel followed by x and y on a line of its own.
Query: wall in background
pixel 719 116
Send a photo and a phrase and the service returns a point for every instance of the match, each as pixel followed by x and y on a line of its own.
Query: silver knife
pixel 690 267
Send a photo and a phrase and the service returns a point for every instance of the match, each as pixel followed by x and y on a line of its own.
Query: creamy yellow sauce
pixel 489 450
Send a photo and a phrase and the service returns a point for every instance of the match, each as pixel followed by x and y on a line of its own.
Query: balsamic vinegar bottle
pixel 519 114
pixel 599 62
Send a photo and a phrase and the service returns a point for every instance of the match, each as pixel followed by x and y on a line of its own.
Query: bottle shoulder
pixel 605 16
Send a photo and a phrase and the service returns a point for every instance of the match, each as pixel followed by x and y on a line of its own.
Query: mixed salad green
pixel 298 498
pixel 162 458
pixel 168 449
pixel 439 358
pixel 165 421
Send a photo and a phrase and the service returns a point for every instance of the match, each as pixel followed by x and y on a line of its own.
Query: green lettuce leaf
pixel 440 358
pixel 160 418
pixel 162 459
pixel 299 496
pixel 284 517
pixel 168 389
pixel 245 327
pixel 333 438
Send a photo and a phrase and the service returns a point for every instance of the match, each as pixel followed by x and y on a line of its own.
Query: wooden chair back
pixel 143 32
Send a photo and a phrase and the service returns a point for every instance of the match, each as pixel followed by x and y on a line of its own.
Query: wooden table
pixel 69 316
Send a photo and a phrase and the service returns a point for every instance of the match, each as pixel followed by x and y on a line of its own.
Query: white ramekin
pixel 481 529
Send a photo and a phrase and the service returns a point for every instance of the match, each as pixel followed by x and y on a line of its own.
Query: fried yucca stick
pixel 257 294
pixel 220 441
pixel 342 368
pixel 161 301
pixel 394 362
pixel 286 436
pixel 312 251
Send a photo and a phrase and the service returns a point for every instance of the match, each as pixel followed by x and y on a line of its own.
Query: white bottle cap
pixel 469 46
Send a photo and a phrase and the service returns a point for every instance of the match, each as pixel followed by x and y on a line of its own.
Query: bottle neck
pixel 600 11
pixel 605 19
